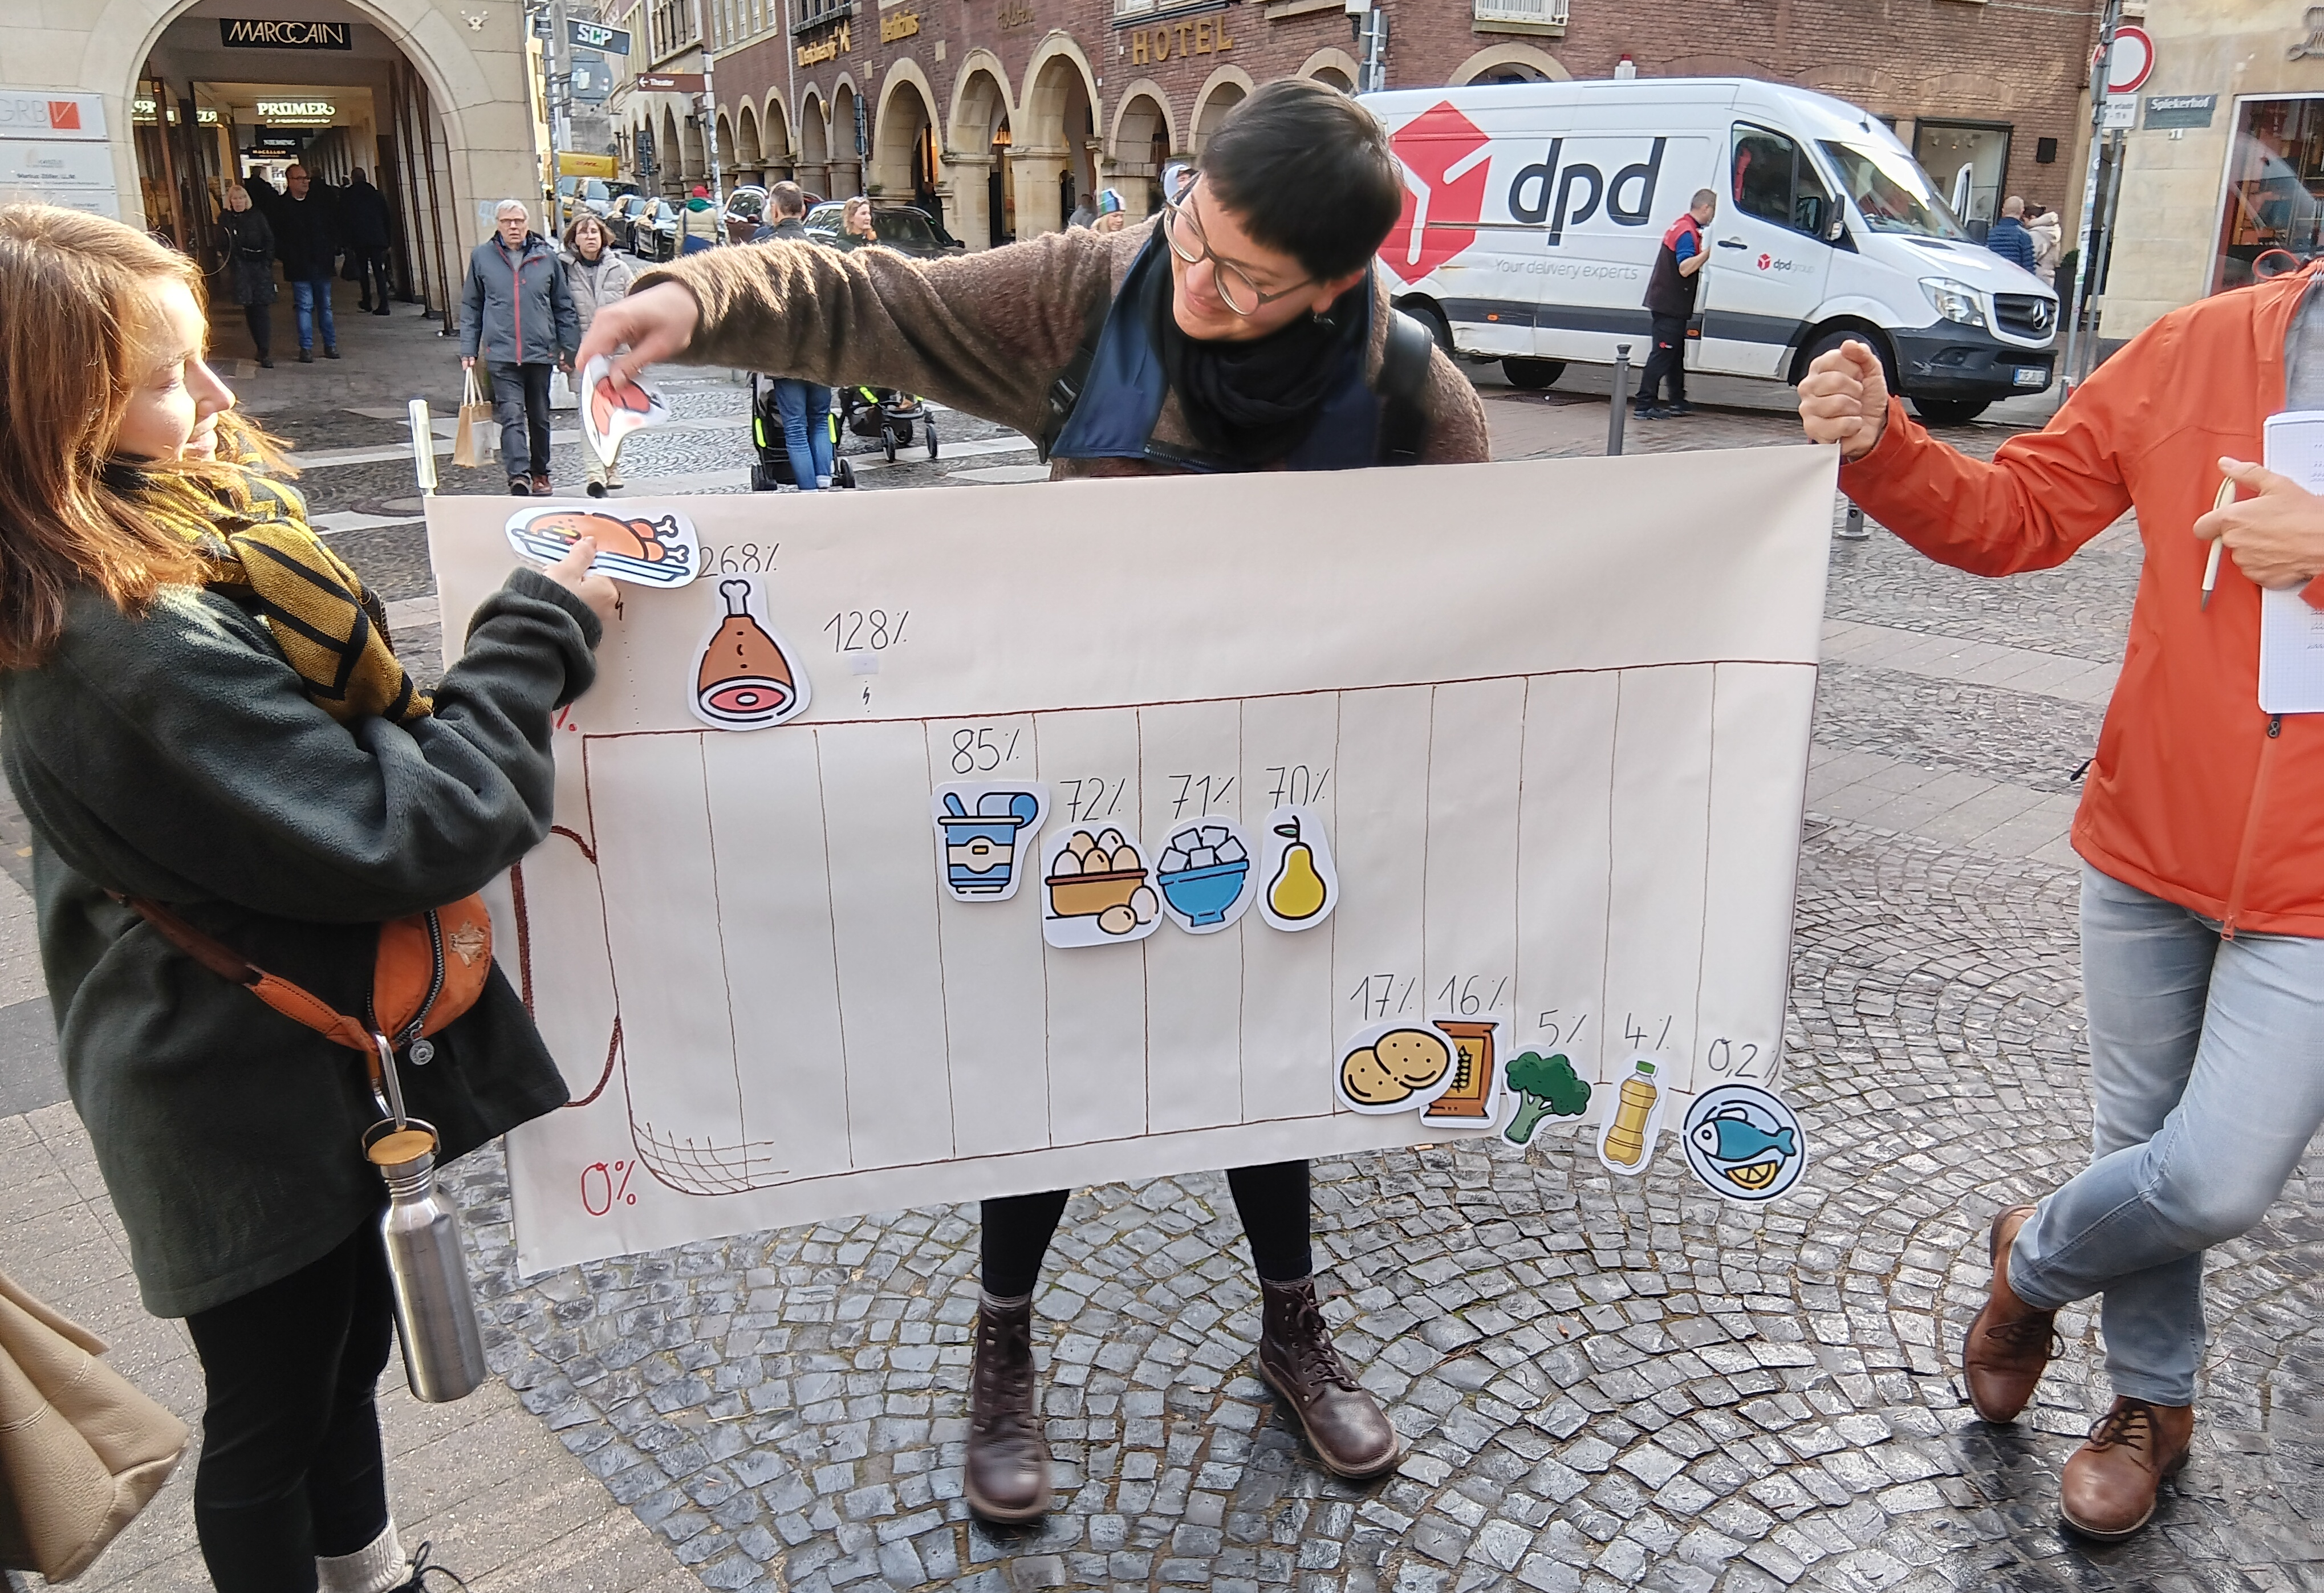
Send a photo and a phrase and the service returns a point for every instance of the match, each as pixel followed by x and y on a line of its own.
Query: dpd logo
pixel 1766 260
pixel 1445 164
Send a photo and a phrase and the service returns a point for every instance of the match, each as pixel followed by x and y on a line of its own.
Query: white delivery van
pixel 1533 212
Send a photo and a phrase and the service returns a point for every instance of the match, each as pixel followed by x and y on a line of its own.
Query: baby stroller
pixel 771 468
pixel 887 415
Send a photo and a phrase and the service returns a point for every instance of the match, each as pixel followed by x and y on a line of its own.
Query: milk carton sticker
pixel 985 836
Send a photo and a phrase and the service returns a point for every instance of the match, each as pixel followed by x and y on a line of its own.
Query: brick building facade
pixel 1003 113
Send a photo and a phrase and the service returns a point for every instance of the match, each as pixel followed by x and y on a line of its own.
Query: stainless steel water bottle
pixel 435 1309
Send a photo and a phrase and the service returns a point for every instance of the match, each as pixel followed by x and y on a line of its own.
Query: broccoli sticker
pixel 1545 1087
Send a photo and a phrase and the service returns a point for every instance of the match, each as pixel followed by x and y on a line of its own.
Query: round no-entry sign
pixel 2133 59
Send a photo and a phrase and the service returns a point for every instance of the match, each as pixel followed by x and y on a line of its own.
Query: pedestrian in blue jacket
pixel 516 312
pixel 2009 239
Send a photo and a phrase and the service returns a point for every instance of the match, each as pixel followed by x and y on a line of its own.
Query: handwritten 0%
pixel 604 1186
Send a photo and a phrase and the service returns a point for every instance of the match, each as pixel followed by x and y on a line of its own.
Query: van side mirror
pixel 1835 232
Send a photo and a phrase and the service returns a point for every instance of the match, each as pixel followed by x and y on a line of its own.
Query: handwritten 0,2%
pixel 604 1186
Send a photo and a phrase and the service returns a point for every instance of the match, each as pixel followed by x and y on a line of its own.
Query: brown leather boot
pixel 1350 1432
pixel 2107 1492
pixel 1007 1472
pixel 2010 1342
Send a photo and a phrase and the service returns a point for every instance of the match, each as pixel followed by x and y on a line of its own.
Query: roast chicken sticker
pixel 659 551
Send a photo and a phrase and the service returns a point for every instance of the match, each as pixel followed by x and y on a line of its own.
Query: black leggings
pixel 290 1463
pixel 260 319
pixel 1271 1201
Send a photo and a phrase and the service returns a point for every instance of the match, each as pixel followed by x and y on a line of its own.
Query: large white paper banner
pixel 1550 718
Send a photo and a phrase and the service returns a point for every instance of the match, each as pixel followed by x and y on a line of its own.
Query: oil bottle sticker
pixel 1394 1067
pixel 1096 889
pixel 987 836
pixel 653 549
pixel 1744 1143
pixel 743 675
pixel 1627 1139
pixel 1298 885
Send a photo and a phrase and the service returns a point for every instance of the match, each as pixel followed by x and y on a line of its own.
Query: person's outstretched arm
pixel 985 333
pixel 2044 494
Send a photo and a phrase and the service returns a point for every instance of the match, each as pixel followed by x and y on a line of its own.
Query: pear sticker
pixel 1301 885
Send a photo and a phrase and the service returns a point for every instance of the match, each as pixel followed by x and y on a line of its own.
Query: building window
pixel 2274 211
pixel 1545 13
pixel 1970 162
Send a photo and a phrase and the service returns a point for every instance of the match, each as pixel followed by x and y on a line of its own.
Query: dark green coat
pixel 177 756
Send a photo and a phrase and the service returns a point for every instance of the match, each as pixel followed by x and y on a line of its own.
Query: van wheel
pixel 1950 411
pixel 1836 338
pixel 1532 375
pixel 1430 317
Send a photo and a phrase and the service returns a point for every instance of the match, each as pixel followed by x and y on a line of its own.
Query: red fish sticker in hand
pixel 609 412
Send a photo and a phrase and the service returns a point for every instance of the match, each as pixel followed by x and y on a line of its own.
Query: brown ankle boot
pixel 1350 1432
pixel 1007 1472
pixel 2108 1488
pixel 2010 1342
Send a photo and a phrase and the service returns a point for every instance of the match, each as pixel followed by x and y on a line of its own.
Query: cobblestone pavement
pixel 1607 1384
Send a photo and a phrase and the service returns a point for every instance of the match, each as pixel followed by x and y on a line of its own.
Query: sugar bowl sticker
pixel 985 832
pixel 1098 890
pixel 1744 1143
pixel 744 678
pixel 1205 874
pixel 655 550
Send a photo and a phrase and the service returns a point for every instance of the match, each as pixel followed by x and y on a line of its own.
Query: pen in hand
pixel 2227 496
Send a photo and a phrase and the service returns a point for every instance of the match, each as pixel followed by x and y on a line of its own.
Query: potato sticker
pixel 1394 1068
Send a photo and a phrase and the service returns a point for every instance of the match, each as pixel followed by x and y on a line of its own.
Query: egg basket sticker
pixel 1204 874
pixel 1394 1067
pixel 1096 889
pixel 1627 1139
pixel 661 550
pixel 1744 1143
pixel 985 836
pixel 744 678
pixel 610 413
pixel 1300 886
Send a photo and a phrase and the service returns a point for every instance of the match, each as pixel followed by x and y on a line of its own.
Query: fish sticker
pixel 645 550
pixel 610 413
pixel 1744 1143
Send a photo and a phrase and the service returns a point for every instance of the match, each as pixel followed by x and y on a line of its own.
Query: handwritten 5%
pixel 604 1186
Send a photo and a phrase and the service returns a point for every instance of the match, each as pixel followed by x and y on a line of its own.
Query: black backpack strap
pixel 1065 391
pixel 1402 386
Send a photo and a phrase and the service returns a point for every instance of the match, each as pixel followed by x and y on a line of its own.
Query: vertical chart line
pixel 838 981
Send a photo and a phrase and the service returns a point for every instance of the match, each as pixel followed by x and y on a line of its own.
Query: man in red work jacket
pixel 2202 833
pixel 1670 301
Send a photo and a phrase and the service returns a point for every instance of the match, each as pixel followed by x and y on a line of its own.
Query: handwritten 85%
pixel 604 1186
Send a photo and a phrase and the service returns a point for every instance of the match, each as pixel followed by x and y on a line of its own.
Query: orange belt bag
pixel 430 968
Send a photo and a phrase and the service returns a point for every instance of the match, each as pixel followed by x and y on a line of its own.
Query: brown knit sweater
pixel 985 333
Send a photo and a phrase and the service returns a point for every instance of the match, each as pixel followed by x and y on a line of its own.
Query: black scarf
pixel 1251 403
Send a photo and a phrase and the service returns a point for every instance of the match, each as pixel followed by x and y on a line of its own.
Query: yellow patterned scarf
pixel 261 551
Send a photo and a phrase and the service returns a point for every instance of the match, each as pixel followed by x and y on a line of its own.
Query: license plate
pixel 2031 376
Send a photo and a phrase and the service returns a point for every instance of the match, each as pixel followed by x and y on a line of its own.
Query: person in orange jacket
pixel 2202 832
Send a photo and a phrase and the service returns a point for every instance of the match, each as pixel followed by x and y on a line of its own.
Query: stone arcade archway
pixel 1052 150
pixel 976 166
pixel 904 154
pixel 1143 140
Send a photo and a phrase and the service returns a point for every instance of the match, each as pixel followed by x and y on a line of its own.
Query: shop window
pixel 1776 183
pixel 2275 191
pixel 1970 162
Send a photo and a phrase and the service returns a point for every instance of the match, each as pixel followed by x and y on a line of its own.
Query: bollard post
pixel 423 444
pixel 1852 528
pixel 1621 408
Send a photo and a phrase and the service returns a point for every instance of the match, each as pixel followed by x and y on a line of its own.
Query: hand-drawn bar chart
pixel 1558 776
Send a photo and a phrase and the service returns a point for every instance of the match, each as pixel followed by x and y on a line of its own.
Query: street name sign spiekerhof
pixel 248 32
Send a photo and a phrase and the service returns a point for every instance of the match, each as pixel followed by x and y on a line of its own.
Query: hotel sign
pixel 1202 36
pixel 244 32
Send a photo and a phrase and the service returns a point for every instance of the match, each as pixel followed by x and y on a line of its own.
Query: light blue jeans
pixel 805 409
pixel 2207 1071
pixel 312 300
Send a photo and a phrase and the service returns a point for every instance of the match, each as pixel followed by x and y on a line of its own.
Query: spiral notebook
pixel 2290 633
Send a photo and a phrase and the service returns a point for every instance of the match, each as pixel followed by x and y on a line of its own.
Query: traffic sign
pixel 2132 61
pixel 597 36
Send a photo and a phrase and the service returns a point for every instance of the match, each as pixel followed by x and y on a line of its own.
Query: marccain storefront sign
pixel 248 32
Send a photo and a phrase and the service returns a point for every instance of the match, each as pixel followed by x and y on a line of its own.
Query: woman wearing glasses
pixel 1244 328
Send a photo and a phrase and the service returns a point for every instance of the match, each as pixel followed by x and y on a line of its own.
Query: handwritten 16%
pixel 604 1186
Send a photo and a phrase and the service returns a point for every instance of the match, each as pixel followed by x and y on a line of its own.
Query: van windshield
pixel 1892 191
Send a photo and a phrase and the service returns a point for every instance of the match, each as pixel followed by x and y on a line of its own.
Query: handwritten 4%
pixel 604 1186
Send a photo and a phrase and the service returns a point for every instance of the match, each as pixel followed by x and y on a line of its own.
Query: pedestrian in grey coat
pixel 517 315
pixel 597 275
pixel 250 267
